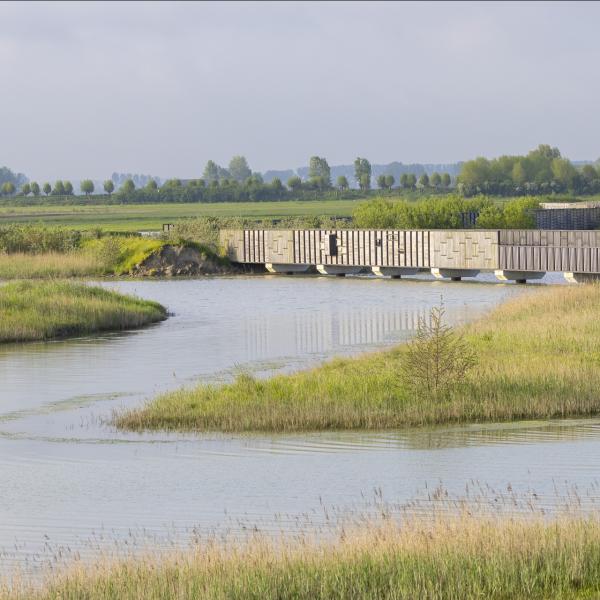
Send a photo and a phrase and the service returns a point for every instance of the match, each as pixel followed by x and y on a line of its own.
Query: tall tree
pixel 389 181
pixel 239 169
pixel 342 183
pixel 59 188
pixel 151 185
pixel 47 188
pixel 211 171
pixel 424 180
pixel 35 188
pixel 381 182
pixel 87 187
pixel 25 189
pixel 319 171
pixel 411 180
pixel 436 180
pixel 8 188
pixel 362 173
pixel 294 183
pixel 109 186
pixel 404 180
pixel 446 180
pixel 68 188
pixel 128 186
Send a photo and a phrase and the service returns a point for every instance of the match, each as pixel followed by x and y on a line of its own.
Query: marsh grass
pixel 538 358
pixel 44 310
pixel 459 557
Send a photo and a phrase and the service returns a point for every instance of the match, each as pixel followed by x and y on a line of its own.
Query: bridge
pixel 511 254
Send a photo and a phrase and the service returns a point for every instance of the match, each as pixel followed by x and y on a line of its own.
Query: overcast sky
pixel 88 89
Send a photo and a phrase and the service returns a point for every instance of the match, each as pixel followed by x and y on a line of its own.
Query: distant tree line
pixel 541 171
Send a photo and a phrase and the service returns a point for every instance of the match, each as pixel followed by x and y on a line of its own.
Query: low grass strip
pixel 45 310
pixel 538 357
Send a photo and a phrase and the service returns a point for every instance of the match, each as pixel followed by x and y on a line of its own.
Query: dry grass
pixel 451 557
pixel 49 265
pixel 43 310
pixel 538 357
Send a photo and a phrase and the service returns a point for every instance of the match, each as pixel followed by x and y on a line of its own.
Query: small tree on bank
pixel 35 188
pixel 47 188
pixel 437 358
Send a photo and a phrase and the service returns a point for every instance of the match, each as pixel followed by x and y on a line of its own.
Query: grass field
pixel 149 217
pixel 45 310
pixel 450 558
pixel 538 356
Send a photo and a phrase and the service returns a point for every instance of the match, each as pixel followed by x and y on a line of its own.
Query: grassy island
pixel 44 310
pixel 462 558
pixel 538 357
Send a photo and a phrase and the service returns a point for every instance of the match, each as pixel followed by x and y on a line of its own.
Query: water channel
pixel 72 483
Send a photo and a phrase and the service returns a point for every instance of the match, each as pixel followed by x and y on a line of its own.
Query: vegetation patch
pixel 451 557
pixel 32 311
pixel 537 356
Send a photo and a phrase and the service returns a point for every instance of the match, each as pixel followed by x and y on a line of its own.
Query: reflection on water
pixel 68 479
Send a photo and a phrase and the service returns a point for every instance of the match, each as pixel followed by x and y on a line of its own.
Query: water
pixel 72 483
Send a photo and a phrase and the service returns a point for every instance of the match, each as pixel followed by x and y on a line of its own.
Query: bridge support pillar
pixel 339 270
pixel 453 274
pixel 288 269
pixel 581 277
pixel 518 276
pixel 394 272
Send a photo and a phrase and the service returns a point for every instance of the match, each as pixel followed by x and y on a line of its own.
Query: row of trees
pixel 541 171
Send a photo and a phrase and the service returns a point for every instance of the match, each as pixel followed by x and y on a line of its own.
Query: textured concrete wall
pixel 515 250
pixel 464 249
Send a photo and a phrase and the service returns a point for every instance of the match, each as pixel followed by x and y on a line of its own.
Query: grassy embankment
pixel 538 357
pixel 92 257
pixel 450 558
pixel 44 310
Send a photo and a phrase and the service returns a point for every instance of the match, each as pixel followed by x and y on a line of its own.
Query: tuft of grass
pixel 538 357
pixel 44 310
pixel 451 557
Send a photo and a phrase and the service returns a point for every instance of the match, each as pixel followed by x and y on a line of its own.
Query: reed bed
pixel 538 357
pixel 44 310
pixel 50 265
pixel 459 557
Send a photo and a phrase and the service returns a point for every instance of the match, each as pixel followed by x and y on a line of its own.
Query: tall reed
pixel 450 558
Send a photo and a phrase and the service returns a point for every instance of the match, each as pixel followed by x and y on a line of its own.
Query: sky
pixel 160 88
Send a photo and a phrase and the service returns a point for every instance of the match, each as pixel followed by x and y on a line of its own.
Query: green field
pixel 149 217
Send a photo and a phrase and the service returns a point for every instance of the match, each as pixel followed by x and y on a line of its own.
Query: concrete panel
pixel 464 249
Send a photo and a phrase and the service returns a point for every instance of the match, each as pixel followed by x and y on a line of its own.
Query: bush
pixel 437 358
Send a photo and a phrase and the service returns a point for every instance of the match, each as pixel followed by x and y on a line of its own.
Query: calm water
pixel 70 481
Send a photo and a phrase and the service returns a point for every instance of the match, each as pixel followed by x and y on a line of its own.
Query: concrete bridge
pixel 511 254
